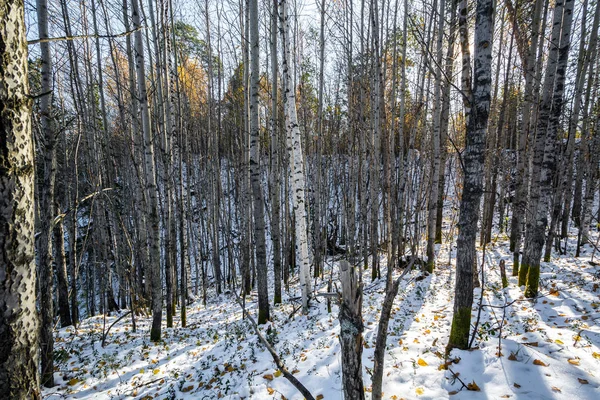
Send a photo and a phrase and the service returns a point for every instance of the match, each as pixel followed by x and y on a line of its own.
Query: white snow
pixel 550 348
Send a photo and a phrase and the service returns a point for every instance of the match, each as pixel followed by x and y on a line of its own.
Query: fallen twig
pixel 105 334
pixel 291 378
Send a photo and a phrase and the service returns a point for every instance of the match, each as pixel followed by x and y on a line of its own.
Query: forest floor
pixel 550 347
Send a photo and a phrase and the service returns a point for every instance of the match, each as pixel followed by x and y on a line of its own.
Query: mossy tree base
pixel 533 281
pixel 523 272
pixel 429 266
pixel 459 333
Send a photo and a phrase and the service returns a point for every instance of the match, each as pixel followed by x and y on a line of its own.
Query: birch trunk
pixel 543 162
pixel 477 106
pixel 46 207
pixel 151 187
pixel 436 138
pixel 275 171
pixel 521 182
pixel 255 175
pixel 294 144
pixel 19 324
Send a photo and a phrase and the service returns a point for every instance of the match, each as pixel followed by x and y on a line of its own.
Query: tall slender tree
pixel 477 106
pixel 255 174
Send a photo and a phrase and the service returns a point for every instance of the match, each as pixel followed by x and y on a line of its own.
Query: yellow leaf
pixel 596 355
pixel 73 382
pixel 268 377
pixel 154 361
pixel 187 388
pixel 473 386
pixel 419 391
pixel 558 341
pixel 540 363
pixel 422 362
pixel 573 361
pixel 142 371
pixel 271 391
pixel 319 397
pixel 555 389
pixel 155 371
pixel 277 373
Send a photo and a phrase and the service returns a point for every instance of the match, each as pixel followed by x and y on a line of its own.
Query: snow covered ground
pixel 549 348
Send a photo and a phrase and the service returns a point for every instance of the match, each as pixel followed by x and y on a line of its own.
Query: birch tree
pixel 544 161
pixel 255 175
pixel 477 108
pixel 45 192
pixel 150 170
pixel 294 145
pixel 19 324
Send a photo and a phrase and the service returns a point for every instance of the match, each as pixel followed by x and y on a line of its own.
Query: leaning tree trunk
pixel 19 325
pixel 478 109
pixel 351 328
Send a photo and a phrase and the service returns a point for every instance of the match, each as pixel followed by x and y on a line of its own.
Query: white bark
pixel 19 324
pixel 294 144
